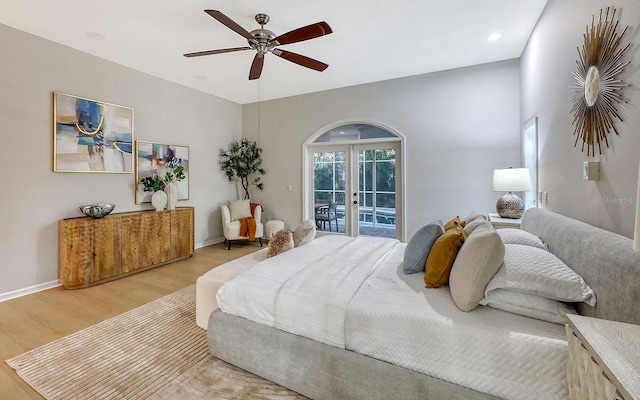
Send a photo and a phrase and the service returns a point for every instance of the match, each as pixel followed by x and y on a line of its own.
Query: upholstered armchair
pixel 231 228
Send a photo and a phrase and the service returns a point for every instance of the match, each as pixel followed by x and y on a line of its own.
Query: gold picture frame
pixel 91 135
pixel 597 92
pixel 153 158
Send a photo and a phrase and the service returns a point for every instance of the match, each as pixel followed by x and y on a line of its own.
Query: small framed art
pixel 161 160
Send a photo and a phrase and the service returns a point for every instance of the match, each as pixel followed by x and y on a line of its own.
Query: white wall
pixel 547 66
pixel 459 126
pixel 34 198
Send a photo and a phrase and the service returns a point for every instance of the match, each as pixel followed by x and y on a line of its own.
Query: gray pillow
pixel 304 233
pixel 418 248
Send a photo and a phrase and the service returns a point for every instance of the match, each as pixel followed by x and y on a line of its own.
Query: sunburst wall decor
pixel 598 90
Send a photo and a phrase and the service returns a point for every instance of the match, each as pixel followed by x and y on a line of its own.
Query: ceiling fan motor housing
pixel 263 40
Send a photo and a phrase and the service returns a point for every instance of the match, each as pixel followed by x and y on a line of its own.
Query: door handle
pixel 355 202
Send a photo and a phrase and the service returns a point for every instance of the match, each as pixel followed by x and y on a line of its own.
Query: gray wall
pixel 547 66
pixel 459 125
pixel 34 198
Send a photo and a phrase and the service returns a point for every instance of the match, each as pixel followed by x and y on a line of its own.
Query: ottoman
pixel 272 226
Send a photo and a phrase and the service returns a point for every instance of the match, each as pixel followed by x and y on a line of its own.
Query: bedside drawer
pixel 586 379
pixel 604 359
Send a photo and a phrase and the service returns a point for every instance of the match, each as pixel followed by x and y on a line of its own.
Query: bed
pixel 352 358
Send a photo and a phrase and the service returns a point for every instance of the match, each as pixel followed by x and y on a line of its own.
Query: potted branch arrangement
pixel 162 184
pixel 242 163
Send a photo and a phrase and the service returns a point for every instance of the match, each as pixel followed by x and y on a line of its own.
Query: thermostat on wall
pixel 591 171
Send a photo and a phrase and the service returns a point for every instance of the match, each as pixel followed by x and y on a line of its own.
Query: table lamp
pixel 511 180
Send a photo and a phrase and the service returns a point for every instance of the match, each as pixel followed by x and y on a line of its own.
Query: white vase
pixel 159 200
pixel 172 195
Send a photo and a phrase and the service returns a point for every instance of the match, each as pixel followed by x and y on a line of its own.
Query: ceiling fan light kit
pixel 264 41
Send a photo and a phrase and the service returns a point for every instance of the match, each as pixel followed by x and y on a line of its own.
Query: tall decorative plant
pixel 241 162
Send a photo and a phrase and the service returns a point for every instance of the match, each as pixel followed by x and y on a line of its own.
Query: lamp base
pixel 510 206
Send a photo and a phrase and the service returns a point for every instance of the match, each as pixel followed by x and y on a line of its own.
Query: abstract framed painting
pixel 158 159
pixel 91 135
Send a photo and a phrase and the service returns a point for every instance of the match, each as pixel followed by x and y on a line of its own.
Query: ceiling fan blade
pixel 300 59
pixel 305 33
pixel 229 23
pixel 326 27
pixel 209 52
pixel 256 66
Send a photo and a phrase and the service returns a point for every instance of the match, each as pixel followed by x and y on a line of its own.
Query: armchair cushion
pixel 239 209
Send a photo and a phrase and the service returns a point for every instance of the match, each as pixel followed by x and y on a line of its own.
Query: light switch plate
pixel 591 171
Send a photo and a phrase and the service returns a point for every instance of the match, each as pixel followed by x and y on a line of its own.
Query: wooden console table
pixel 93 251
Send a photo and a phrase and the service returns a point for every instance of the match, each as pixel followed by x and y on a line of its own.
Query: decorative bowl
pixel 98 210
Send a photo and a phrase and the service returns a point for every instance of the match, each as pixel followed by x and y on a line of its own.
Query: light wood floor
pixel 36 319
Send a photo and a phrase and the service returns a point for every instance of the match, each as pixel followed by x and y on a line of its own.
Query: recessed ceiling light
pixel 494 36
pixel 95 36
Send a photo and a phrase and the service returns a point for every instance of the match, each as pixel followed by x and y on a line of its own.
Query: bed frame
pixel 604 259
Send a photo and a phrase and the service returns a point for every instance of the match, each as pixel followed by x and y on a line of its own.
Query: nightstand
pixel 499 222
pixel 604 359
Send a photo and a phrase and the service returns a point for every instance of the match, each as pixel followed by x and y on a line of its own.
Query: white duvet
pixel 378 311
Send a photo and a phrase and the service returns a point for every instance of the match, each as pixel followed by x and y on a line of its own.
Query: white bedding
pixel 393 317
pixel 252 294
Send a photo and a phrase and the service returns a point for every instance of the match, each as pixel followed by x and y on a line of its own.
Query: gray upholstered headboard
pixel 604 259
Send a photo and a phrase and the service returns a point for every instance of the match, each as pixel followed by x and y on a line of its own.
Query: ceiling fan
pixel 263 41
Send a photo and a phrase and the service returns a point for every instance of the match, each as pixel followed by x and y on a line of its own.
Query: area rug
pixel 154 351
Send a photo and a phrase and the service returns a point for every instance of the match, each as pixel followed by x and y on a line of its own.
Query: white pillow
pixel 474 215
pixel 531 270
pixel 471 226
pixel 304 233
pixel 529 305
pixel 239 209
pixel 477 261
pixel 518 236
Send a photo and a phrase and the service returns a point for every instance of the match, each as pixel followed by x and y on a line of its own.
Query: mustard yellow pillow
pixel 442 255
pixel 453 223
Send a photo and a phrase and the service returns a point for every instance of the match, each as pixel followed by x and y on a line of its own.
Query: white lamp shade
pixel 511 180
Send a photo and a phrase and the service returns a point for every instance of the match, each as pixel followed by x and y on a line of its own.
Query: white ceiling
pixel 372 40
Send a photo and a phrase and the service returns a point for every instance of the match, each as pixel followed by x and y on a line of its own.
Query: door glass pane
pixel 329 179
pixel 377 193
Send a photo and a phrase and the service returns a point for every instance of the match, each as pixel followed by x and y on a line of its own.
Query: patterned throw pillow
pixel 239 209
pixel 280 242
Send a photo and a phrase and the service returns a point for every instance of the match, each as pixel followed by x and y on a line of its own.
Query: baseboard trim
pixel 209 242
pixel 49 285
pixel 29 290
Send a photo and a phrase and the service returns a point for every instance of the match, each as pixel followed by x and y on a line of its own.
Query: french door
pixel 356 188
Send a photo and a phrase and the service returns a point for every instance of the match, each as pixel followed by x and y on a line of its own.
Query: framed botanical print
pixel 91 135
